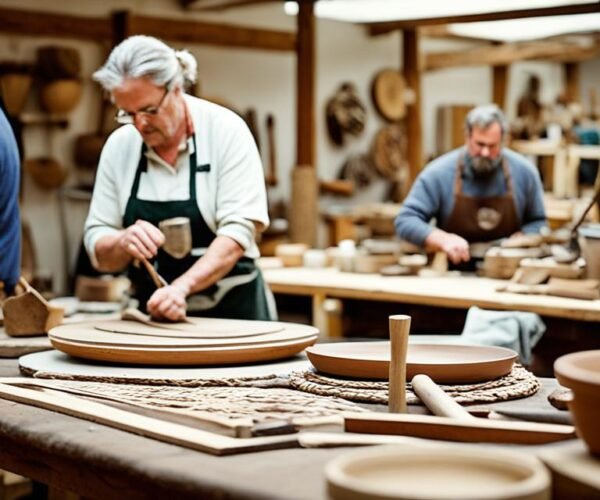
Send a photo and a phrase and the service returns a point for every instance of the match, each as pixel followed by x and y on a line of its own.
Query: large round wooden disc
pixel 446 364
pixel 158 346
pixel 387 91
pixel 388 151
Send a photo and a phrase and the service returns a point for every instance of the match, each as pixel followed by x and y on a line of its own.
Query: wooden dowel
pixel 436 400
pixel 399 331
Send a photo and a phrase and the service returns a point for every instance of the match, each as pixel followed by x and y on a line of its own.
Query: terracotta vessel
pixel 580 372
pixel 403 472
pixel 60 96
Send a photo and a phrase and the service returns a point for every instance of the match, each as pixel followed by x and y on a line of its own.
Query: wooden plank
pixel 161 430
pixel 43 24
pixel 224 35
pixel 509 53
pixel 376 29
pixel 412 75
pixel 476 430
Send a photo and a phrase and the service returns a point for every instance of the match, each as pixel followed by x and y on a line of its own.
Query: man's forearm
pixel 109 254
pixel 219 259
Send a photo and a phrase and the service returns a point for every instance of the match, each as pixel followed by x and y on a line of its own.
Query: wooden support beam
pixel 572 81
pixel 412 75
pixel 305 85
pixel 509 53
pixel 376 29
pixel 499 84
pixel 44 24
pixel 225 35
pixel 303 221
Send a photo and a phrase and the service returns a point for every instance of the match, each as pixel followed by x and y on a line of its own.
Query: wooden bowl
pixel 580 371
pixel 403 472
pixel 47 173
pixel 60 96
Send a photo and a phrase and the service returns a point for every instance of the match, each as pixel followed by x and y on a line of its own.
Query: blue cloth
pixel 519 331
pixel 10 224
pixel 432 195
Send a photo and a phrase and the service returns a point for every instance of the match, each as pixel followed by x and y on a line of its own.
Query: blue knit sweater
pixel 432 195
pixel 10 225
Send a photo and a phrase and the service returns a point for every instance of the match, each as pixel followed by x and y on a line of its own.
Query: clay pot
pixel 60 96
pixel 14 88
pixel 103 289
pixel 403 472
pixel 47 173
pixel 88 148
pixel 580 372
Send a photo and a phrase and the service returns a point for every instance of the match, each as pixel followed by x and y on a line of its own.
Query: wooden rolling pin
pixel 399 331
pixel 436 400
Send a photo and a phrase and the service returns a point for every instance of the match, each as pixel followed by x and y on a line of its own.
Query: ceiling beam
pixel 219 5
pixel 376 29
pixel 35 23
pixel 510 53
pixel 224 35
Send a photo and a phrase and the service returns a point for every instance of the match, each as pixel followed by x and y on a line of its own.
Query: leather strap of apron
pixel 458 182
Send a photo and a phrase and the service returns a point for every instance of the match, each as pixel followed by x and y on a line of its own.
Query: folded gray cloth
pixel 519 331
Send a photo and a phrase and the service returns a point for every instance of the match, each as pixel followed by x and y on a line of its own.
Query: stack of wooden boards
pixel 198 341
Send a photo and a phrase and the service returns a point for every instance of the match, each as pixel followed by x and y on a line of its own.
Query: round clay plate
pixel 402 472
pixel 446 364
pixel 152 346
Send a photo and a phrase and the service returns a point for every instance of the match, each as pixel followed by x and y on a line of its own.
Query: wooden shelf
pixel 43 119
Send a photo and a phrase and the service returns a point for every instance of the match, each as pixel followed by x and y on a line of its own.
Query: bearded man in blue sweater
pixel 477 193
pixel 10 225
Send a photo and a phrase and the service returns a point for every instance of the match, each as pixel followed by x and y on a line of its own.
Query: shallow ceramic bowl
pixel 580 372
pixel 401 472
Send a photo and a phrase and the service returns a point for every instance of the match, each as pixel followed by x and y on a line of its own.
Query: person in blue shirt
pixel 479 192
pixel 10 223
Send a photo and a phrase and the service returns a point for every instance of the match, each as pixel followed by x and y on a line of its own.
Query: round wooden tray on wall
pixel 138 344
pixel 388 151
pixel 387 91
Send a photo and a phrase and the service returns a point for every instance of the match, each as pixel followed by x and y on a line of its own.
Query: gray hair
pixel 142 56
pixel 485 115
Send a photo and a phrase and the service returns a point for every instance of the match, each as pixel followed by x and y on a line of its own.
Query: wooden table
pixel 98 461
pixel 571 324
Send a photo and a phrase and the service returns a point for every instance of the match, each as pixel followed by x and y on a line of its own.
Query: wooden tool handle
pixel 158 280
pixel 436 400
pixel 399 331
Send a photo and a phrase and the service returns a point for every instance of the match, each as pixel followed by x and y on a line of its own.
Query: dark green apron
pixel 239 295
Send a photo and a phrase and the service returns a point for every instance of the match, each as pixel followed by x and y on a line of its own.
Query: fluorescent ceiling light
pixel 371 11
pixel 534 28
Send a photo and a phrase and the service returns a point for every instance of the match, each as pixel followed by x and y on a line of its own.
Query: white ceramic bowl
pixel 401 472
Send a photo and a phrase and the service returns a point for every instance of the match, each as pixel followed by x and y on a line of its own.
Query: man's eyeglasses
pixel 127 118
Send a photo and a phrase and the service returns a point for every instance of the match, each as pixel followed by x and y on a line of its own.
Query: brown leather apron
pixel 482 218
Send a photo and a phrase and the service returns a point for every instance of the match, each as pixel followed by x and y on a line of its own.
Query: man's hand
pixel 168 303
pixel 141 240
pixel 455 247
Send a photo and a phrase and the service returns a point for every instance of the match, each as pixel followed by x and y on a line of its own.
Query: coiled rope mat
pixel 519 383
pixel 260 404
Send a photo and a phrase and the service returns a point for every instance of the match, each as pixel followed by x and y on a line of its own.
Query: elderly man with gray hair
pixel 477 193
pixel 177 156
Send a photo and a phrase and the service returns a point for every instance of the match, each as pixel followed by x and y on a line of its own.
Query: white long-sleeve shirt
pixel 230 192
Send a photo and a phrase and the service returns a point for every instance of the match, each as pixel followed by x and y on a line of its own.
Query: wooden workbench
pixel 101 462
pixel 571 324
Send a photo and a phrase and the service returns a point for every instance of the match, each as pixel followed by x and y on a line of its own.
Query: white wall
pixel 263 80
